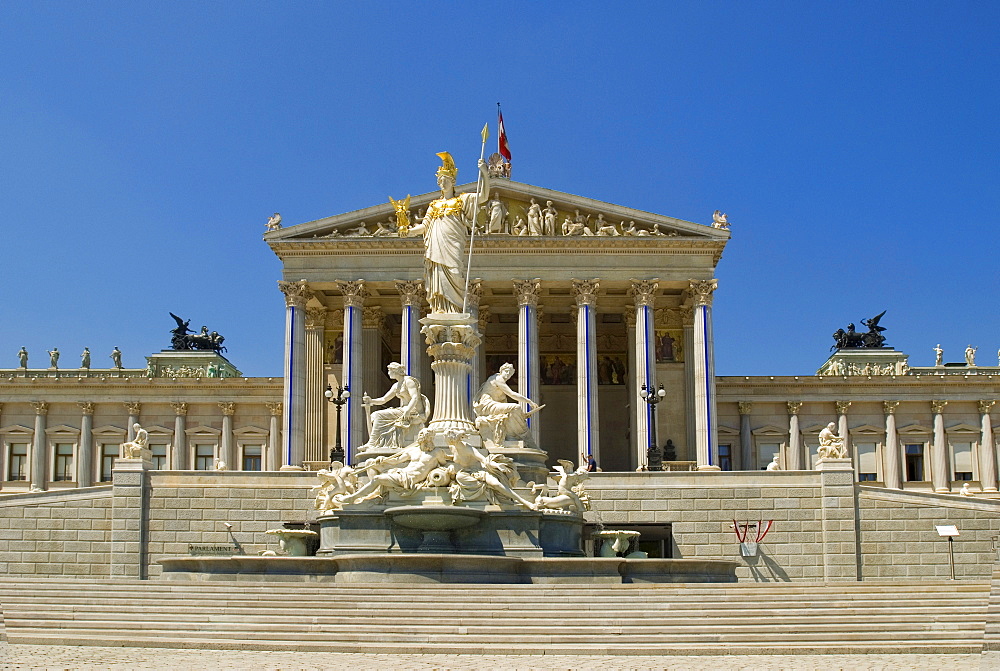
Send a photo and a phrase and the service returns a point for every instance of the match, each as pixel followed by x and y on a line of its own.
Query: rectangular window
pixel 914 462
pixel 867 464
pixel 726 457
pixel 109 452
pixel 963 460
pixel 18 462
pixel 251 457
pixel 765 454
pixel 63 462
pixel 204 457
pixel 159 451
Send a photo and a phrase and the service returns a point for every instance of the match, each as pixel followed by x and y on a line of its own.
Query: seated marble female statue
pixel 395 428
pixel 498 420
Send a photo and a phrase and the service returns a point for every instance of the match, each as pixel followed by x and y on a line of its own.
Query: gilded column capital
pixel 745 407
pixel 132 407
pixel 315 317
pixel 585 291
pixel 842 407
pixel 41 407
pixel 372 318
pixel 630 316
pixel 412 294
pixel 87 407
pixel 484 317
pixel 643 292
pixel 938 406
pixel 985 406
pixel 701 291
pixel 228 408
pixel 794 407
pixel 527 292
pixel 354 292
pixel 890 407
pixel 180 408
pixel 296 293
pixel 273 407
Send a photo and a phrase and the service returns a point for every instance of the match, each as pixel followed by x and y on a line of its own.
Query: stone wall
pixel 192 508
pixel 65 533
pixel 899 540
pixel 701 507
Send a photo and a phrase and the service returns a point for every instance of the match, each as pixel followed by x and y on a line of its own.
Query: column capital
pixel 794 407
pixel 842 407
pixel 315 317
pixel 228 408
pixel 643 292
pixel 180 408
pixel 890 407
pixel 41 407
pixel 984 406
pixel 411 292
pixel 372 318
pixel 630 316
pixel 87 407
pixel 354 292
pixel 701 291
pixel 585 291
pixel 745 407
pixel 527 291
pixel 132 407
pixel 484 317
pixel 273 407
pixel 296 293
pixel 938 406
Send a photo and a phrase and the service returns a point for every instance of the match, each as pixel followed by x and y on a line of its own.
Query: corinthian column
pixel 746 437
pixel 85 455
pixel 315 383
pixel 353 428
pixel 132 408
pixel 843 431
pixel 273 436
pixel 293 449
pixel 38 471
pixel 472 299
pixel 527 292
pixel 644 365
pixel 987 450
pixel 890 453
pixel 411 295
pixel 940 470
pixel 178 453
pixel 372 372
pixel 226 455
pixel 793 457
pixel 703 368
pixel 588 434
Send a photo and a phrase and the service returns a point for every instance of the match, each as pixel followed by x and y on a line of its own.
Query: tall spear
pixel 475 213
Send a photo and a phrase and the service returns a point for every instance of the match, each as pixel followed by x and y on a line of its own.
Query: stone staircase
pixel 641 619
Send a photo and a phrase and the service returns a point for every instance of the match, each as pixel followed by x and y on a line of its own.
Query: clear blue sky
pixel 854 146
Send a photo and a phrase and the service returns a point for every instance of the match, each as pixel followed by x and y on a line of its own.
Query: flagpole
pixel 475 214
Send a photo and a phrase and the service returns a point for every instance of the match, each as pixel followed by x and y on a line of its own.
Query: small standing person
pixel 22 358
pixel 85 358
pixel 116 357
pixel 54 357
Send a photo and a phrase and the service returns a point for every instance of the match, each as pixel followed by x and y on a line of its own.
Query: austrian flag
pixel 502 145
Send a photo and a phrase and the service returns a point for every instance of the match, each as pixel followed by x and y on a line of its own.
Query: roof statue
pixel 183 338
pixel 720 220
pixel 852 339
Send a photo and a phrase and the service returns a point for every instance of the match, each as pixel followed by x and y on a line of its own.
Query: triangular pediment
pixel 599 218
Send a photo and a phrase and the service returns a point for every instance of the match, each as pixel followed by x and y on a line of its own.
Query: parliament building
pixel 598 306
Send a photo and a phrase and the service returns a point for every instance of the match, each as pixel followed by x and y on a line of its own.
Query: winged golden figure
pixel 402 208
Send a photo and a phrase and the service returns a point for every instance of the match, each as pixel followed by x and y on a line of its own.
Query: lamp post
pixel 653 455
pixel 343 393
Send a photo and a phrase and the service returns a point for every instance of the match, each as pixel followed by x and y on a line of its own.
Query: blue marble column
pixel 706 421
pixel 644 364
pixel 353 428
pixel 294 394
pixel 588 424
pixel 526 292
pixel 411 295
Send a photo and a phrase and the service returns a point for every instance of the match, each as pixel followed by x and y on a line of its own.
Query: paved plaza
pixel 95 658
